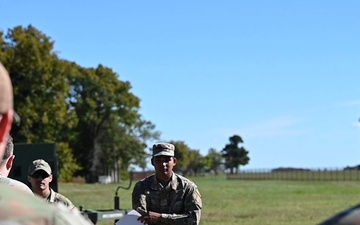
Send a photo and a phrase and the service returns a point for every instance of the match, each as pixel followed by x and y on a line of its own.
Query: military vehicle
pixel 26 153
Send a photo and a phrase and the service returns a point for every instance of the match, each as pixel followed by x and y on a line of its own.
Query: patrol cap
pixel 163 148
pixel 6 91
pixel 39 164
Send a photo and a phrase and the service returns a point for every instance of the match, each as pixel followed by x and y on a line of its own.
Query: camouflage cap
pixel 39 164
pixel 6 91
pixel 163 148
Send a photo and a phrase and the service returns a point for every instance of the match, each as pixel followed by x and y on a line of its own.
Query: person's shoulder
pixel 18 204
pixel 17 207
pixel 145 181
pixel 21 186
pixel 71 217
pixel 16 184
pixel 185 181
pixel 61 198
pixel 4 180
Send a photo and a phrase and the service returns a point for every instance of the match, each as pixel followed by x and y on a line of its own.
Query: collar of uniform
pixel 173 183
pixel 51 197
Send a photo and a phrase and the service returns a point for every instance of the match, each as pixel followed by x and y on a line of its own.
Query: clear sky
pixel 284 75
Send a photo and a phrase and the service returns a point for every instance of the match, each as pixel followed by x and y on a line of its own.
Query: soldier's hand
pixel 150 218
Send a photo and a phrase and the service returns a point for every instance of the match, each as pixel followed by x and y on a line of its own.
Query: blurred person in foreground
pixel 349 216
pixel 6 108
pixel 6 164
pixel 40 177
pixel 166 197
pixel 18 207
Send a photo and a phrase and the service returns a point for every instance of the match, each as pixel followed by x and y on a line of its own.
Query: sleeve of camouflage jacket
pixel 138 198
pixel 192 207
pixel 192 204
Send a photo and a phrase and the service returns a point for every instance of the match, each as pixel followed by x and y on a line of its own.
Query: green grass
pixel 246 202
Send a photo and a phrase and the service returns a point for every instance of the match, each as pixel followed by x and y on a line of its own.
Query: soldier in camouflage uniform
pixel 166 198
pixel 6 108
pixel 6 165
pixel 40 176
pixel 18 207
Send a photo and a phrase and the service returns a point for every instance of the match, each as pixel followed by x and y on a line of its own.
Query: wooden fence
pixel 301 175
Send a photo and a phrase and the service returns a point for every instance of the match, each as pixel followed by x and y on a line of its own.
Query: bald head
pixel 6 91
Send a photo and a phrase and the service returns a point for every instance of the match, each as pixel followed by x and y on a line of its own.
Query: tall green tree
pixel 40 89
pixel 188 160
pixel 197 162
pixel 234 154
pixel 110 126
pixel 213 160
pixel 91 114
pixel 183 155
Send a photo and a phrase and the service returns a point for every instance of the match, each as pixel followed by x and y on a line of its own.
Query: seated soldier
pixel 40 177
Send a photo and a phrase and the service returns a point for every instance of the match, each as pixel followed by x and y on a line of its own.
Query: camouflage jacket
pixel 59 198
pixel 16 184
pixel 179 202
pixel 18 207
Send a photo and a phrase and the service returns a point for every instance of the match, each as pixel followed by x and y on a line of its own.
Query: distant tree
pixel 213 160
pixel 188 160
pixel 182 154
pixel 89 113
pixel 197 162
pixel 234 155
pixel 110 128
pixel 66 162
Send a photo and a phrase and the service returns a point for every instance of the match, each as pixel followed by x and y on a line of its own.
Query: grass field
pixel 245 202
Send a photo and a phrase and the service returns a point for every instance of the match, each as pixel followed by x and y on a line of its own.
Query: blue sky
pixel 284 75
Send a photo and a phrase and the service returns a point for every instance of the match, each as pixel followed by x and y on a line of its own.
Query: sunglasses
pixel 40 174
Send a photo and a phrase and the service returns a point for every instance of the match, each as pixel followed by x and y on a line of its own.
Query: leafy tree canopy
pixel 234 154
pixel 89 112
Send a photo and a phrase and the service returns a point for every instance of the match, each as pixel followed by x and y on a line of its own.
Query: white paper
pixel 130 219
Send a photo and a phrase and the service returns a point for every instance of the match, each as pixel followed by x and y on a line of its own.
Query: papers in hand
pixel 130 219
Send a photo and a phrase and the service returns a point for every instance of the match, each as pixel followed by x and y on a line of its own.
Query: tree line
pixel 90 113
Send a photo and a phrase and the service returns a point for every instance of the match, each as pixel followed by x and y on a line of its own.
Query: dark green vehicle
pixel 26 153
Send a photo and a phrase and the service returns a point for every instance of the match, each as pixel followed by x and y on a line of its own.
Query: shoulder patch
pixel 197 197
